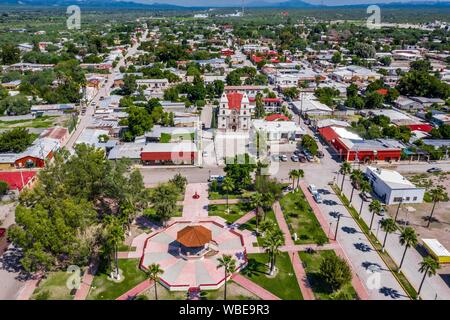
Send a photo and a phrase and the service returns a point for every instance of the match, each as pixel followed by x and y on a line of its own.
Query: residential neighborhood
pixel 225 154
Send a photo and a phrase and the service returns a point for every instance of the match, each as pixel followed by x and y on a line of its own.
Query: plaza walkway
pixel 254 288
pixel 140 288
pixel 299 271
pixel 196 208
pixel 86 282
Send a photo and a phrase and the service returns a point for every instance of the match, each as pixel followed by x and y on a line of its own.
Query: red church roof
pixel 14 178
pixel 234 100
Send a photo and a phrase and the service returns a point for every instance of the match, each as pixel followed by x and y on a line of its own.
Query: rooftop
pixel 392 178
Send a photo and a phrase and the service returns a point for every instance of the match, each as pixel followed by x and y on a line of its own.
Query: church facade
pixel 234 112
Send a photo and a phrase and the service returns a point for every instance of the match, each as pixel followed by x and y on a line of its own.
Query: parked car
pixel 276 157
pixel 320 154
pixel 294 158
pixel 312 188
pixel 317 197
pixel 283 158
pixel 297 152
pixel 365 196
pixel 302 158
pixel 205 153
pixel 434 170
pixel 309 157
pixel 216 178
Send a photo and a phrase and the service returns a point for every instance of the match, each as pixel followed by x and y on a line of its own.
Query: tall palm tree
pixel 437 194
pixel 293 175
pixel 154 272
pixel 388 226
pixel 300 175
pixel 268 200
pixel 428 267
pixel 374 207
pixel 408 238
pixel 267 226
pixel 345 169
pixel 115 236
pixel 272 242
pixel 229 265
pixel 257 202
pixel 355 177
pixel 364 187
pixel 228 186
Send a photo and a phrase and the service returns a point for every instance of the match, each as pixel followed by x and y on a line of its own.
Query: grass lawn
pixel 251 225
pixel 234 292
pixel 41 122
pixel 151 214
pixel 236 211
pixel 53 287
pixel 301 219
pixel 217 195
pixel 105 289
pixel 284 284
pixel 164 294
pixel 312 263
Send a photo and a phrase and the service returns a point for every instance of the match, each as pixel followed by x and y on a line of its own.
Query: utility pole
pixel 398 209
pixel 337 225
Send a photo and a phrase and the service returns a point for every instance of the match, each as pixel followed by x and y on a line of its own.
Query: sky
pixel 239 2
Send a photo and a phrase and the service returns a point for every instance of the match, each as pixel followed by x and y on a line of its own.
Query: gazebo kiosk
pixel 194 241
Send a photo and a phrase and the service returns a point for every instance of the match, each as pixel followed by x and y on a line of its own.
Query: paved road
pixel 103 92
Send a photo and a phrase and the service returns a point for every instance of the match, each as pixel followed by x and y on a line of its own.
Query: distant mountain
pixel 113 4
pixel 281 4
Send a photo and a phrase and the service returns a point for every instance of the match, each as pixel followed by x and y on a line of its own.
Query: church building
pixel 234 112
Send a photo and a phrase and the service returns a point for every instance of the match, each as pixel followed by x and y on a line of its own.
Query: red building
pixel 351 147
pixel 169 153
pixel 17 180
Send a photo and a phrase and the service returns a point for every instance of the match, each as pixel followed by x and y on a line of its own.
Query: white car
pixel 283 158
pixel 313 189
pixel 317 197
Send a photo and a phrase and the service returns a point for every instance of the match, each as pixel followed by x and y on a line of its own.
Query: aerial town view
pixel 224 150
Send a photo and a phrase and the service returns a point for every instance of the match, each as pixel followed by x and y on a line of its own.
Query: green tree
pixel 164 198
pixel 344 170
pixel 388 226
pixel 437 194
pixel 9 54
pixel 4 187
pixel 375 208
pixel 408 238
pixel 309 144
pixel 257 202
pixel 271 243
pixel 366 188
pixel 428 267
pixel 335 272
pixel 228 186
pixel 180 182
pixel 15 140
pixel 138 122
pixel 229 266
pixel 15 105
pixel 154 273
pixel 114 237
pixel 356 177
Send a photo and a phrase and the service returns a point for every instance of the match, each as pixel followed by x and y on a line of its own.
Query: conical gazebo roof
pixel 194 236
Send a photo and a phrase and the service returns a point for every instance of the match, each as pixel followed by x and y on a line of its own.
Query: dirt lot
pixel 440 225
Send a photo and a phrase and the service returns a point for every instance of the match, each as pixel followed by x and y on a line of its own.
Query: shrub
pixel 4 187
pixel 335 272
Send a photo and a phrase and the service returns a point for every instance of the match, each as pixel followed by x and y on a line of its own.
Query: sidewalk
pixel 86 282
pixel 299 271
pixel 434 287
pixel 141 287
pixel 253 287
pixel 196 208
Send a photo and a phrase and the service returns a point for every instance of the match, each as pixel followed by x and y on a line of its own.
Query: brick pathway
pixel 299 271
pixel 196 208
pixel 141 287
pixel 29 287
pixel 246 217
pixel 86 282
pixel 254 288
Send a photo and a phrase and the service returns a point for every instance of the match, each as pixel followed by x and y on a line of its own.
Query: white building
pixel 279 131
pixel 234 112
pixel 392 187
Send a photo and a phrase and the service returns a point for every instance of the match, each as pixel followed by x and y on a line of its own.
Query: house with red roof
pixel 234 112
pixel 277 117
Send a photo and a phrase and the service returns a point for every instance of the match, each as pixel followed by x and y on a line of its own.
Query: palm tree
pixel 388 226
pixel 268 200
pixel 345 169
pixel 229 265
pixel 428 267
pixel 115 236
pixel 154 272
pixel 257 202
pixel 227 186
pixel 374 207
pixel 272 242
pixel 355 177
pixel 437 194
pixel 408 238
pixel 292 175
pixel 267 226
pixel 364 187
pixel 300 175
